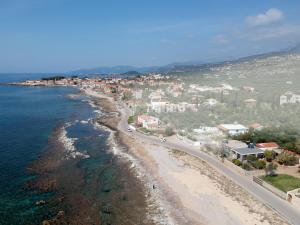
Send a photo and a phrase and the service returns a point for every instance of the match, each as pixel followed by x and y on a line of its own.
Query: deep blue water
pixel 28 116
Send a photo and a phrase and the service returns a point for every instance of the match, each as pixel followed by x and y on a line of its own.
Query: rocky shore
pixel 91 191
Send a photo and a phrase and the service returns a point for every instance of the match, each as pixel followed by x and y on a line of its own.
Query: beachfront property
pixel 148 122
pixel 233 129
pixel 289 98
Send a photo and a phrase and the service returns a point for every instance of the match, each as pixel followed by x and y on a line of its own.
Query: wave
pixel 69 144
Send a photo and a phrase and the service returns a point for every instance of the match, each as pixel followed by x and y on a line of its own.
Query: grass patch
pixel 283 182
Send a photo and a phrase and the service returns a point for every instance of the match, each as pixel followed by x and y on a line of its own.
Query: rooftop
pixel 233 127
pixel 267 145
pixel 248 151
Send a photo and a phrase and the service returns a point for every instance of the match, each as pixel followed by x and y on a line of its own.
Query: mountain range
pixel 175 67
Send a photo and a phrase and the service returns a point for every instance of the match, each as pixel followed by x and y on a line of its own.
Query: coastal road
pixel 281 206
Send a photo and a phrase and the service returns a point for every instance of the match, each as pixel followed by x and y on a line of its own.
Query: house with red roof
pixel 269 146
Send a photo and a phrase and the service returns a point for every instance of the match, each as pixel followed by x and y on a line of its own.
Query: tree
pixel 268 155
pixel 169 131
pixel 271 169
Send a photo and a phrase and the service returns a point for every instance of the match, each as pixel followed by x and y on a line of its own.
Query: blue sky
pixel 63 35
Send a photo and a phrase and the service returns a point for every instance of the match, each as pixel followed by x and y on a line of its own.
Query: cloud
pixel 220 39
pixel 270 16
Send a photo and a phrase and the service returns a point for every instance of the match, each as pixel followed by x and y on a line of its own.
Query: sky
pixel 65 35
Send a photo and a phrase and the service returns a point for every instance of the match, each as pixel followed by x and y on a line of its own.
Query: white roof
pixel 233 127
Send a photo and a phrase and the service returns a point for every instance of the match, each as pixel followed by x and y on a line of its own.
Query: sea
pixel 89 184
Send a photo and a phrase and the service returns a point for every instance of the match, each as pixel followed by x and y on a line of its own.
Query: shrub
pixel 268 155
pixel 237 162
pixel 131 119
pixel 246 166
pixel 287 159
pixel 251 158
pixel 259 164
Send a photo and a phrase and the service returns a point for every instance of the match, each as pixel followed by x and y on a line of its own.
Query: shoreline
pixel 119 145
pixel 174 174
pixel 60 170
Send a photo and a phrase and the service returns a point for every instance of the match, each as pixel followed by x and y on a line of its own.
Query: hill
pixel 181 66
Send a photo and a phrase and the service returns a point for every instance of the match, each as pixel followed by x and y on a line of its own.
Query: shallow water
pixel 96 185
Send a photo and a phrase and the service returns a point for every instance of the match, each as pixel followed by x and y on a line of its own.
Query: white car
pixel 129 130
pixel 162 140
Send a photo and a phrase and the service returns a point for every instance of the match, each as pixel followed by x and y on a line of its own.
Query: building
pixel 269 146
pixel 148 122
pixel 256 126
pixel 242 153
pixel 289 98
pixel 137 94
pixel 233 129
pixel 157 106
pixel 250 103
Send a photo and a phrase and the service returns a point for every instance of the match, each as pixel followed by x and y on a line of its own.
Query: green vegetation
pixel 271 169
pixel 283 182
pixel 256 163
pixel 267 111
pixel 246 166
pixel 237 162
pixel 145 130
pixel 286 138
pixel 54 78
pixel 169 131
pixel 287 159
pixel 269 155
pixel 127 96
pixel 131 119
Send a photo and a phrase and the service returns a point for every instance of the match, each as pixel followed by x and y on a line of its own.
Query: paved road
pixel 281 206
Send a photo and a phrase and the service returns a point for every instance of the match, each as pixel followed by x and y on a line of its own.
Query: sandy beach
pixel 191 191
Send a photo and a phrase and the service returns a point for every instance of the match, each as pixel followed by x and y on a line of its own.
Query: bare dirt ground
pixel 198 192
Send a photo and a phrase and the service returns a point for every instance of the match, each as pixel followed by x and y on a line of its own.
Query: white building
pixel 233 129
pixel 148 122
pixel 289 97
pixel 137 94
